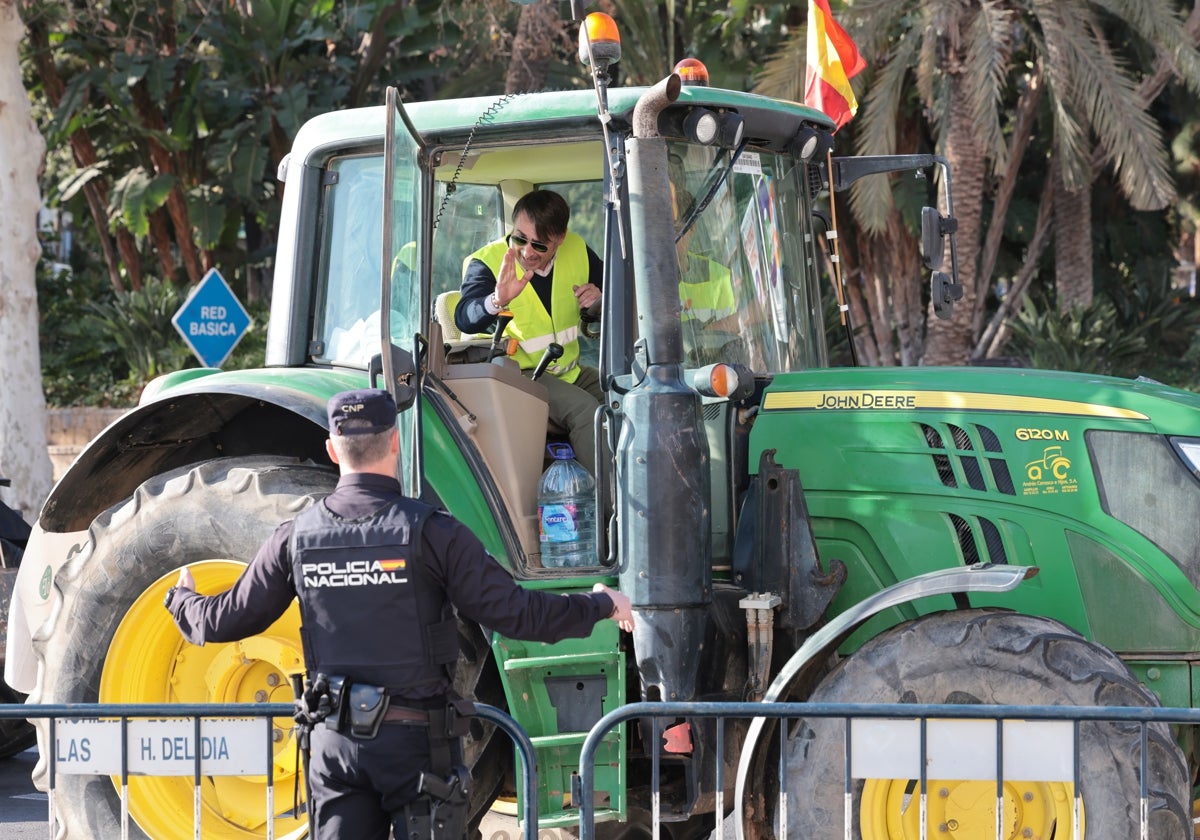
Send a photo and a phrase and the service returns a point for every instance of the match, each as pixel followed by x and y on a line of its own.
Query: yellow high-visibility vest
pixel 532 326
pixel 707 292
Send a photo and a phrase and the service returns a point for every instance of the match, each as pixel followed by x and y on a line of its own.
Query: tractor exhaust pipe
pixel 662 468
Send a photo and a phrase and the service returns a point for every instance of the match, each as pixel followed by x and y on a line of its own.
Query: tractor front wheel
pixel 110 640
pixel 992 657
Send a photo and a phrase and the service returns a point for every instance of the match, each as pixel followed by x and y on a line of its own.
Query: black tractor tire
pixel 994 657
pixel 219 509
pixel 16 734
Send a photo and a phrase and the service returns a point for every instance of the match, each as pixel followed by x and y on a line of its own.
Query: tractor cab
pixel 746 293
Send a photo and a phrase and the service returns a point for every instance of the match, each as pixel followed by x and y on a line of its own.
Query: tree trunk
pixel 949 341
pixel 532 48
pixel 893 297
pixel 176 206
pixel 96 190
pixel 1072 246
pixel 23 456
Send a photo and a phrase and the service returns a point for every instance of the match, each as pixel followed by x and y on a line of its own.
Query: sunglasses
pixel 520 241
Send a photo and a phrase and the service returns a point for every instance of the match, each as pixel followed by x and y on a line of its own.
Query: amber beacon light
pixel 600 32
pixel 692 71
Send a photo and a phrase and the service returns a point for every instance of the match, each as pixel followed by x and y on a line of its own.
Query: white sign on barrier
pixel 228 747
pixel 1034 750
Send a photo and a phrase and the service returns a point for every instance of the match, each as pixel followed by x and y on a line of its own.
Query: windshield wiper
pixel 710 192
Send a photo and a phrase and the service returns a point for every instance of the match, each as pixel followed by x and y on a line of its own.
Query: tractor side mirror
pixel 944 292
pixel 934 229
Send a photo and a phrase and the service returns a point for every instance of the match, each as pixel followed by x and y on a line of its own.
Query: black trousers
pixel 360 787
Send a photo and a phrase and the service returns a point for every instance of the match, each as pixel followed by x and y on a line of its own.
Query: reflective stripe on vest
pixel 535 328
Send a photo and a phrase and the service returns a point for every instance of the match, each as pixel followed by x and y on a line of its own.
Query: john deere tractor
pixel 750 494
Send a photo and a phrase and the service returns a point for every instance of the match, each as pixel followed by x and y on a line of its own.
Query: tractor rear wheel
pixel 110 640
pixel 993 657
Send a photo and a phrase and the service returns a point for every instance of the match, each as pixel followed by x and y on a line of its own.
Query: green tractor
pixel 752 494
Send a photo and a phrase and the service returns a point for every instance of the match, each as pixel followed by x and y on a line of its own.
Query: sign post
pixel 212 320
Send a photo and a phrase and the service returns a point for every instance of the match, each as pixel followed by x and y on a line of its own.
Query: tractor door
pixel 404 252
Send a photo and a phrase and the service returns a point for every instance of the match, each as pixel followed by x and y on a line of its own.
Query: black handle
pixel 503 317
pixel 553 352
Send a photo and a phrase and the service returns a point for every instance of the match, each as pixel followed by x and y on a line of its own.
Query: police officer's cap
pixel 365 412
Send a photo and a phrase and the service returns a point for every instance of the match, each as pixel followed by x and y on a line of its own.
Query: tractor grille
pixel 978 539
pixel 973 449
pixel 977 452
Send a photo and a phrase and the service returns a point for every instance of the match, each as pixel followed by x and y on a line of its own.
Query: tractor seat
pixel 456 343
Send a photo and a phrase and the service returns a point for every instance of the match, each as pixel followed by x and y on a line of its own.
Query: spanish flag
pixel 833 60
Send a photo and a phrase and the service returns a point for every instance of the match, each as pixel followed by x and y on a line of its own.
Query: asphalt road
pixel 23 810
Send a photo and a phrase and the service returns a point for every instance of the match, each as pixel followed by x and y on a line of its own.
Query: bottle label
pixel 556 523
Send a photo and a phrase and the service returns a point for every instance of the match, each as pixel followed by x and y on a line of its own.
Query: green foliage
pixel 251 351
pixel 732 39
pixel 79 364
pixel 1137 331
pixel 138 323
pixel 101 347
pixel 136 195
pixel 206 98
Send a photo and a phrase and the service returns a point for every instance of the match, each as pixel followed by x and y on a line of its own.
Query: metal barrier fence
pixel 913 727
pixel 910 734
pixel 95 738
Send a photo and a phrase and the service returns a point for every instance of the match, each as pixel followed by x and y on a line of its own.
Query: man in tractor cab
pixel 550 280
pixel 706 301
pixel 379 578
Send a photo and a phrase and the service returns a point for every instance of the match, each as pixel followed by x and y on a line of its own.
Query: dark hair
pixel 547 210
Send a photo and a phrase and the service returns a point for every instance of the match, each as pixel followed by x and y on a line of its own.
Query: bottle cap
pixel 560 451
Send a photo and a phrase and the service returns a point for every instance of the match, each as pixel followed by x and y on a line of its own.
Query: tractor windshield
pixel 748 290
pixel 747 287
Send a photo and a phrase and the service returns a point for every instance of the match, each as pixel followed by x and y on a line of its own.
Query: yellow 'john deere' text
pixel 843 400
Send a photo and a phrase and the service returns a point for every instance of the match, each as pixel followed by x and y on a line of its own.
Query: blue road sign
pixel 212 320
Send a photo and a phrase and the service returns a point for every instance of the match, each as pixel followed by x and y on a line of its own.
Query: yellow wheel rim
pixel 149 662
pixel 966 810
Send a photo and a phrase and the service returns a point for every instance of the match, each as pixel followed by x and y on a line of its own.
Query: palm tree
pixel 966 61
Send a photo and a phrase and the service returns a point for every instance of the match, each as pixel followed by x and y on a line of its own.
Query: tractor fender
pixel 184 418
pixel 981 577
pixel 215 416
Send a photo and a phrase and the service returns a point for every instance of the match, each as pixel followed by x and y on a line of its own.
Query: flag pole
pixel 835 258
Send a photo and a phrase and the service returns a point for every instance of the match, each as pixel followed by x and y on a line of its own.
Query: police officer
pixel 378 577
pixel 551 281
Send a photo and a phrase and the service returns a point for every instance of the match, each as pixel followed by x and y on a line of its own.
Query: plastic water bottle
pixel 567 511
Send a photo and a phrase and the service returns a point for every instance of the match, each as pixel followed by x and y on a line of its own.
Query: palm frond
pixel 871 197
pixel 782 76
pixel 1131 139
pixel 989 53
pixel 644 53
pixel 875 24
pixel 1052 43
pixel 1160 23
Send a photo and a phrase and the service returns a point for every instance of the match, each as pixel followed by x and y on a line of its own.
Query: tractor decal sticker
pixel 1050 474
pixel 913 400
pixel 1043 434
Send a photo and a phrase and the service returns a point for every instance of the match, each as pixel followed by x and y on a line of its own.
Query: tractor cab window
pixel 747 286
pixel 473 206
pixel 346 308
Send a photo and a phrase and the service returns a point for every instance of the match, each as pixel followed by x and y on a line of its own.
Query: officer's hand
pixel 622 610
pixel 186 581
